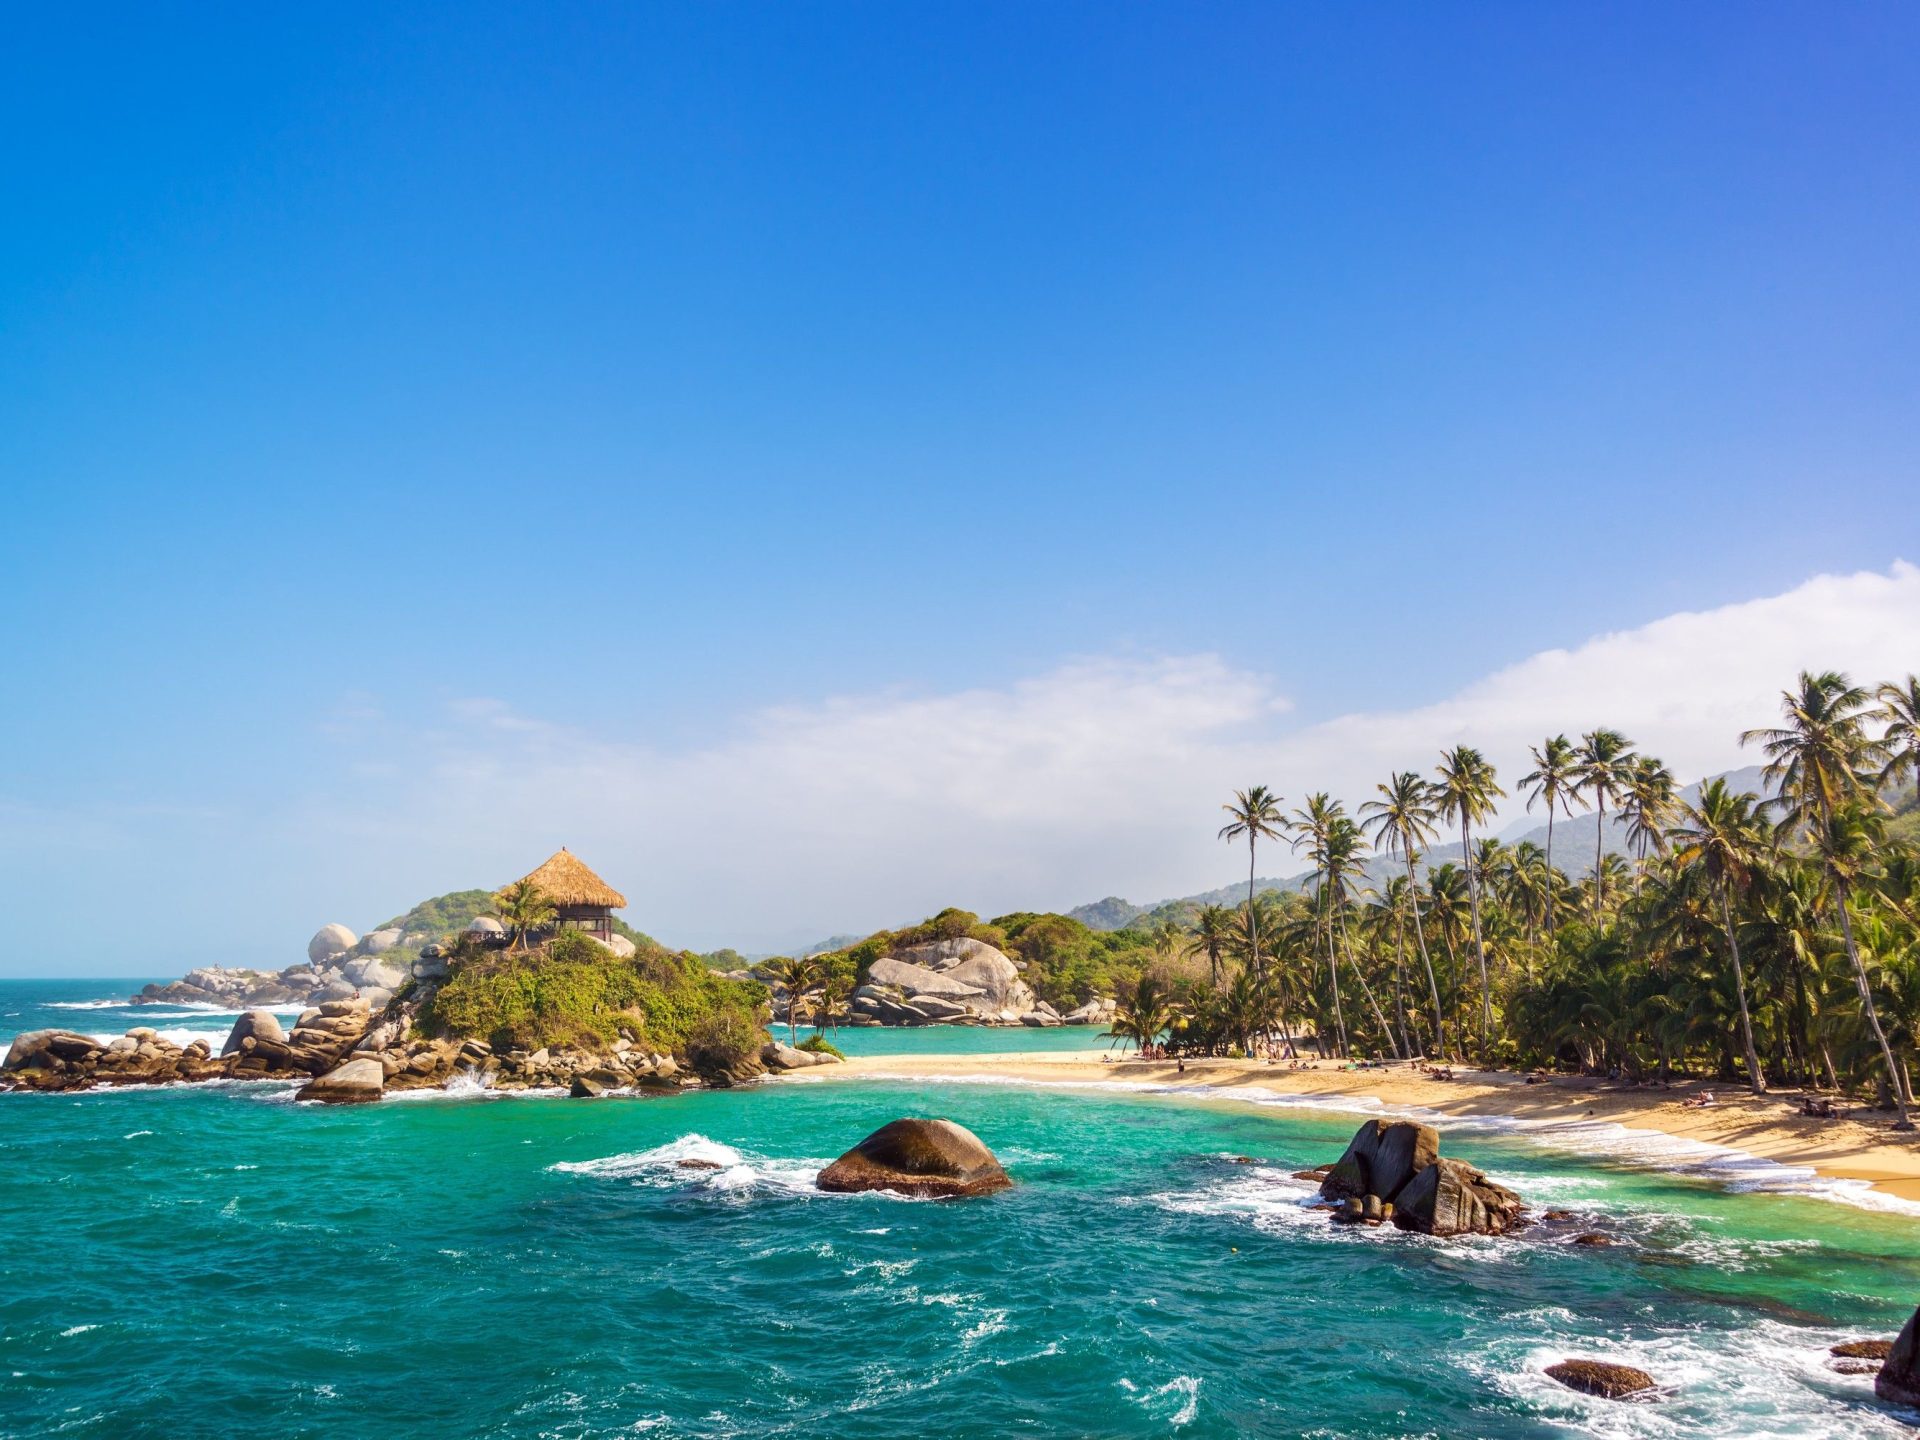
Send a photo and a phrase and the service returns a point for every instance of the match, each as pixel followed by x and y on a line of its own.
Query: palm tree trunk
pixel 1479 945
pixel 1599 875
pixel 1866 999
pixel 1400 981
pixel 1365 989
pixel 1333 970
pixel 1740 988
pixel 1550 803
pixel 1420 934
pixel 1253 918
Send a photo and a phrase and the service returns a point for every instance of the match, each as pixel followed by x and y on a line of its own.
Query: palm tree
pixel 1604 756
pixel 1466 792
pixel 831 1002
pixel 1255 813
pixel 1722 838
pixel 523 908
pixel 1899 710
pixel 1143 1014
pixel 1403 818
pixel 798 977
pixel 1341 864
pixel 1645 806
pixel 1554 781
pixel 1212 936
pixel 1312 827
pixel 1823 765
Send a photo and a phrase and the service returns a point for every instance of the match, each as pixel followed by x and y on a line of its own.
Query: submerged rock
pixel 1602 1378
pixel 1899 1378
pixel 1863 1349
pixel 931 1158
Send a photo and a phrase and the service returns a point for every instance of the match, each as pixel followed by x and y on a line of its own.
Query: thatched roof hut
pixel 584 901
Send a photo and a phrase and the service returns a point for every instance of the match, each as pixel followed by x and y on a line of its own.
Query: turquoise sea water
pixel 199 1260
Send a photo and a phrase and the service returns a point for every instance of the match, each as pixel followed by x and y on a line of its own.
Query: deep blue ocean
pixel 217 1260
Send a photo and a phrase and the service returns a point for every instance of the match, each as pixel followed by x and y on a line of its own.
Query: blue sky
pixel 381 391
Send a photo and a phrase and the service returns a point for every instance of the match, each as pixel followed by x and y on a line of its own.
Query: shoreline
pixel 1767 1127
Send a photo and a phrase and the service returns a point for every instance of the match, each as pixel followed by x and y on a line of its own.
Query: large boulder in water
pixel 328 941
pixel 931 1158
pixel 1450 1197
pixel 1899 1378
pixel 1602 1378
pixel 356 1081
pixel 1381 1158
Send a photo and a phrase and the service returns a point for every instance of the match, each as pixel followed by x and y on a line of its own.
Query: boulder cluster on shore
pixel 951 982
pixel 339 966
pixel 346 1052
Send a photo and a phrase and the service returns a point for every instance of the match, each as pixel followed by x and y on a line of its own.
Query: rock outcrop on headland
pixel 961 980
pixel 1393 1170
pixel 932 1159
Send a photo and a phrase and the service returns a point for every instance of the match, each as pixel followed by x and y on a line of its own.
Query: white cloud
pixel 1101 776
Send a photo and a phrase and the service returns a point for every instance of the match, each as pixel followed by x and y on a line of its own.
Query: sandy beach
pixel 1859 1147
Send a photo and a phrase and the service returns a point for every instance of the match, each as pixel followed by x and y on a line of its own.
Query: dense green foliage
pixel 444 914
pixel 573 992
pixel 820 1045
pixel 1774 940
pixel 1066 962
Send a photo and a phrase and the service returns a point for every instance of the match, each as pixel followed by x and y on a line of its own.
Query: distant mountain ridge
pixel 1573 841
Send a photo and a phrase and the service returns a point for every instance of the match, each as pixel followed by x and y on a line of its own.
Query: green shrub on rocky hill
pixel 573 992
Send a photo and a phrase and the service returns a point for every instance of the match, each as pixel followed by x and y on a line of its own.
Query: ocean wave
pixel 1761 1379
pixel 695 1162
pixel 215 1038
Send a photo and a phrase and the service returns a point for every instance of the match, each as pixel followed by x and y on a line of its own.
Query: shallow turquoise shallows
pixel 218 1260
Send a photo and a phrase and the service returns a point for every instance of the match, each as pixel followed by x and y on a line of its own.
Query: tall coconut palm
pixel 1722 838
pixel 1554 781
pixel 1823 764
pixel 1605 757
pixel 1465 792
pixel 1899 711
pixel 1646 805
pixel 1403 819
pixel 524 909
pixel 1212 936
pixel 1254 815
pixel 1342 867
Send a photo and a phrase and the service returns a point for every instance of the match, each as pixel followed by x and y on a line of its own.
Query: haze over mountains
pixel 1573 846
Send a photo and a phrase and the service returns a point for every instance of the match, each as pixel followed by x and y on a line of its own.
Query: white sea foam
pixel 86 1005
pixel 135 1134
pixel 714 1167
pixel 72 1330
pixel 1764 1379
pixel 1183 1388
pixel 1735 1169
